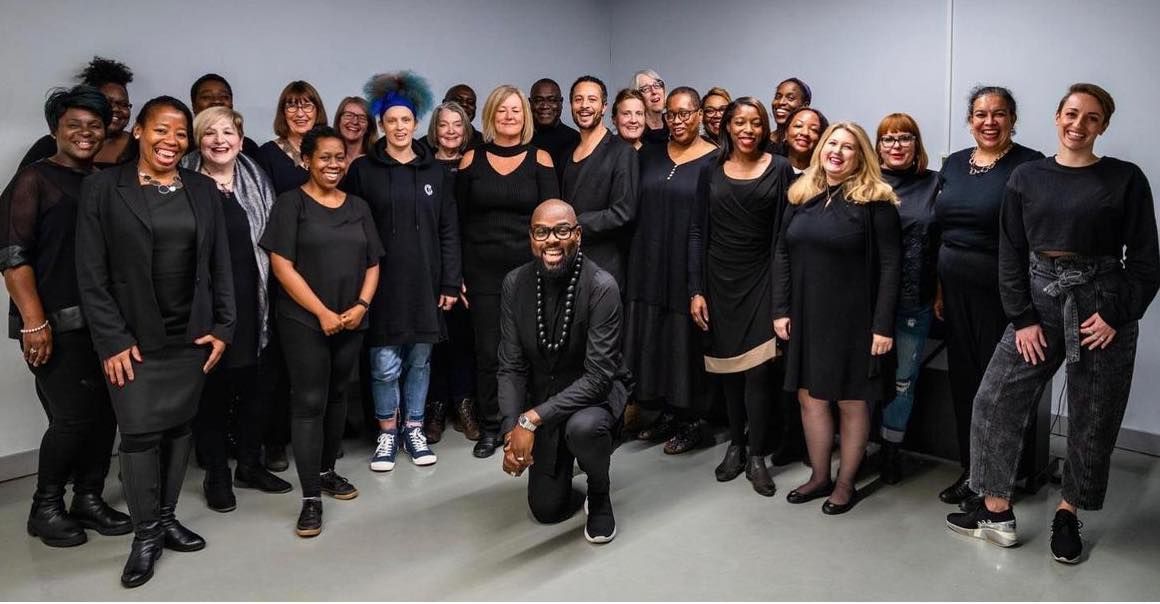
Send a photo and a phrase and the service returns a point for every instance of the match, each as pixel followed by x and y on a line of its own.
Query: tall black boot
pixel 141 476
pixel 175 460
pixel 49 521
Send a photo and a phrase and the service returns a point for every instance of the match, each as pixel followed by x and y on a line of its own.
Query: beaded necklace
pixel 569 299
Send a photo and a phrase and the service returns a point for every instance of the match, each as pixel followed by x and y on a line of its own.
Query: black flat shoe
pixel 733 465
pixel 310 518
pixel 758 476
pixel 256 477
pixel 795 496
pixel 959 491
pixel 830 508
pixel 486 446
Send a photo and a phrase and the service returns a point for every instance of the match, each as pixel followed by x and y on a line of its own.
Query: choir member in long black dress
pixel 153 266
pixel 739 209
pixel 836 272
pixel 662 345
pixel 628 116
pixel 453 364
pixel 112 79
pixel 552 135
pixel 789 96
pixel 652 89
pixel 967 211
pixel 1079 265
pixel 38 213
pixel 600 179
pixel 498 187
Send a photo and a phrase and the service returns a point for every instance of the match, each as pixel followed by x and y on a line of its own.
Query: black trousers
pixel 585 437
pixel 749 398
pixel 236 388
pixel 320 369
pixel 81 425
pixel 453 361
pixel 275 389
pixel 485 321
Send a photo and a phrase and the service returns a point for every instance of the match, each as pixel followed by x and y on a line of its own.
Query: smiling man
pixel 562 383
pixel 551 135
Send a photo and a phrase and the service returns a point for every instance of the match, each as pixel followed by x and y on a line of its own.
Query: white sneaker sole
pixel 382 466
pixel 426 460
pixel 1066 560
pixel 590 538
pixel 989 535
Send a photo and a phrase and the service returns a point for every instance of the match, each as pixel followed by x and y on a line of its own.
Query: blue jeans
pixel 410 363
pixel 911 326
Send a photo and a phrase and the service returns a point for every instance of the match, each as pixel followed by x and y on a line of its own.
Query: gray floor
pixel 461 530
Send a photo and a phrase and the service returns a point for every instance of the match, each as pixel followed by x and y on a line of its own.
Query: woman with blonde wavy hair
pixel 842 231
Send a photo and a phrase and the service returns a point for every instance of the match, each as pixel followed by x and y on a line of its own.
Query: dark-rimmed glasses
pixel 561 231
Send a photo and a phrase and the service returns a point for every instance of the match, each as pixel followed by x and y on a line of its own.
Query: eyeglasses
pixel 547 100
pixel 303 105
pixel 904 140
pixel 679 116
pixel 659 86
pixel 350 116
pixel 562 231
pixel 714 111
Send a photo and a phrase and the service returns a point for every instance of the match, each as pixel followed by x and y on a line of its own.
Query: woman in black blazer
pixel 153 267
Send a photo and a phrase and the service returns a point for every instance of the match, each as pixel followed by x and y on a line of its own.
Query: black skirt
pixel 165 390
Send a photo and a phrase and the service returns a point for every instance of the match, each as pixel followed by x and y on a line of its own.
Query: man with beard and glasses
pixel 551 135
pixel 562 383
pixel 600 179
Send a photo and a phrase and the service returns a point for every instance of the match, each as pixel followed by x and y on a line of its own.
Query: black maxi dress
pixel 836 273
pixel 661 344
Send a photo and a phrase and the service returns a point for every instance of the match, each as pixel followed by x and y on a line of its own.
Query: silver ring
pixel 32 350
pixel 519 459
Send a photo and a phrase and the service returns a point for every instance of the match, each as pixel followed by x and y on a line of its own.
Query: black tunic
pixel 174 258
pixel 836 274
pixel 243 350
pixel 662 345
pixel 283 171
pixel 331 248
pixel 730 259
pixel 920 235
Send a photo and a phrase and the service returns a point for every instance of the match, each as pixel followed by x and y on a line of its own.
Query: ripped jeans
pixel 911 326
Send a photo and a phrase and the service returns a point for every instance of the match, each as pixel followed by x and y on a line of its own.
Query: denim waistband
pixel 1065 273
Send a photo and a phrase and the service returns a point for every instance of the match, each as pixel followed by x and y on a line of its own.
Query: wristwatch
pixel 526 423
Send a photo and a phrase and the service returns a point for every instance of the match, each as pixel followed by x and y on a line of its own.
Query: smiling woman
pixel 299 109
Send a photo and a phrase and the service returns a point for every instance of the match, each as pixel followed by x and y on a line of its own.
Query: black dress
pixel 836 275
pixel 243 350
pixel 661 344
pixel 730 260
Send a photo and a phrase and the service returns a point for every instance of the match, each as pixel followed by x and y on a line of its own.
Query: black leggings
pixel 226 388
pixel 81 426
pixel 749 396
pixel 485 320
pixel 320 369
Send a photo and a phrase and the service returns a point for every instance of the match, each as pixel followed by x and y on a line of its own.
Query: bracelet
pixel 363 303
pixel 42 327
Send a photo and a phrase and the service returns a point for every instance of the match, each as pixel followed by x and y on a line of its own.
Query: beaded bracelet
pixel 42 327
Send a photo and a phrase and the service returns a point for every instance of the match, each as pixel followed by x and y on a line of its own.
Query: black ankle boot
pixel 91 511
pixel 140 474
pixel 758 475
pixel 219 491
pixel 733 465
pixel 959 491
pixel 175 459
pixel 49 521
pixel 891 469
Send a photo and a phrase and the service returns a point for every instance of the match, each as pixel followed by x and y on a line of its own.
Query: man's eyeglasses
pixel 658 86
pixel 562 231
pixel 679 116
pixel 904 140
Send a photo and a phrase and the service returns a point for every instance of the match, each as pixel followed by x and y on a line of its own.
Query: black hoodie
pixel 414 209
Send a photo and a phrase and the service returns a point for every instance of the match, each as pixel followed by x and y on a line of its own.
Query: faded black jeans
pixel 1098 383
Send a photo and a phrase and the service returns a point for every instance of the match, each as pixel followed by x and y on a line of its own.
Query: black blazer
pixel 115 263
pixel 605 194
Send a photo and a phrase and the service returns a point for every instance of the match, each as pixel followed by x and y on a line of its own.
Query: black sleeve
pixel 699 235
pixel 221 273
pixel 281 235
pixel 1142 256
pixel 44 146
pixel 19 213
pixel 547 182
pixel 463 191
pixel 1014 278
pixel 512 376
pixel 375 249
pixel 888 239
pixel 352 182
pixel 107 325
pixel 622 196
pixel 781 277
pixel 452 275
pixel 782 208
pixel 601 357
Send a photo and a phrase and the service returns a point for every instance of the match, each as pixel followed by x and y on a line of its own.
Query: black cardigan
pixel 114 263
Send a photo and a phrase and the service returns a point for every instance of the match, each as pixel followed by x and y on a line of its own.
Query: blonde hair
pixel 209 117
pixel 864 186
pixel 497 96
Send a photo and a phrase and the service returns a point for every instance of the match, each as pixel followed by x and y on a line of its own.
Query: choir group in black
pixel 707 254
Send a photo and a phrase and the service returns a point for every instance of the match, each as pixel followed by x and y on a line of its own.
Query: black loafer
pixel 795 496
pixel 486 446
pixel 830 508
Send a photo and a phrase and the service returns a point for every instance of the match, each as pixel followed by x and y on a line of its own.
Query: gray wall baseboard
pixel 18 465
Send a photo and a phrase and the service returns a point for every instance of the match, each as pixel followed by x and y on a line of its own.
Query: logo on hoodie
pixel 428 190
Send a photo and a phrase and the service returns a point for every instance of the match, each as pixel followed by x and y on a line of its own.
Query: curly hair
pixel 101 71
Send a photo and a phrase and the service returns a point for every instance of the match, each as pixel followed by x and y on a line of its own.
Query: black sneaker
pixel 310 518
pixel 601 524
pixel 336 486
pixel 1066 544
pixel 981 523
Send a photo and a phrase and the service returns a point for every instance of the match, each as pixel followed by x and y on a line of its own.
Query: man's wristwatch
pixel 526 423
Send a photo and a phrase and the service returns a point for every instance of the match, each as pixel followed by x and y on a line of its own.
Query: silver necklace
pixel 975 169
pixel 164 189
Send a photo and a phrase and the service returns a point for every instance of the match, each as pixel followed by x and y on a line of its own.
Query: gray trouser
pixel 1065 292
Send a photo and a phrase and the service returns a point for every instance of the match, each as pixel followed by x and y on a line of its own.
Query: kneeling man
pixel 562 384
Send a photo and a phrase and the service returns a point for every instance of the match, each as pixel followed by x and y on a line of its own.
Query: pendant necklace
pixel 164 189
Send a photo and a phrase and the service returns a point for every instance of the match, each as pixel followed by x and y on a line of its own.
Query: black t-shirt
pixel 38 217
pixel 967 208
pixel 174 258
pixel 330 247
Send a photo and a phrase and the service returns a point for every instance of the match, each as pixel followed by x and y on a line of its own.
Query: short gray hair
pixel 644 72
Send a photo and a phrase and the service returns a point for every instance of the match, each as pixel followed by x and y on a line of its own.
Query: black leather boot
pixel 219 490
pixel 891 470
pixel 758 475
pixel 175 459
pixel 435 421
pixel 959 491
pixel 49 521
pixel 91 511
pixel 140 474
pixel 733 465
